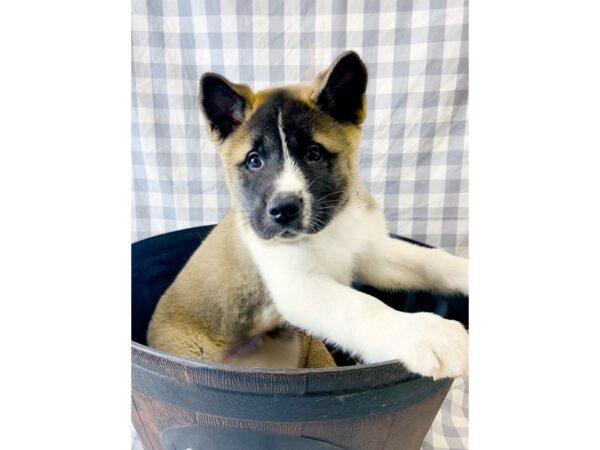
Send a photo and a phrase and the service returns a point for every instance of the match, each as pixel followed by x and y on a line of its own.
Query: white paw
pixel 431 346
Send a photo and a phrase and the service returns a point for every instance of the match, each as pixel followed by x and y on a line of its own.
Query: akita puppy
pixel 302 226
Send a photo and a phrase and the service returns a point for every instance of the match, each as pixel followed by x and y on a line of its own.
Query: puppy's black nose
pixel 284 208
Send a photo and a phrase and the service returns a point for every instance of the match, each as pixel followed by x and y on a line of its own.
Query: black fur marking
pixel 342 95
pixel 223 107
pixel 324 180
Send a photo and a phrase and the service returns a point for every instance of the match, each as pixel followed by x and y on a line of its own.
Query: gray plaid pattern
pixel 413 150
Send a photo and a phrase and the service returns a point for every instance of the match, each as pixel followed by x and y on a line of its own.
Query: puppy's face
pixel 290 153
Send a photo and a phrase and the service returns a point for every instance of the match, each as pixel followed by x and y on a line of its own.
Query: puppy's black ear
pixel 223 103
pixel 341 89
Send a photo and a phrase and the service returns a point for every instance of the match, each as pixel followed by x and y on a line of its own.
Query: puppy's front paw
pixel 433 346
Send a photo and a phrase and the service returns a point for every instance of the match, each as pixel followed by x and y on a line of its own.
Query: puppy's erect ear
pixel 340 90
pixel 224 104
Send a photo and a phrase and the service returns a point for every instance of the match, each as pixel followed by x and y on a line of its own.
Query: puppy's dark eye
pixel 313 153
pixel 253 161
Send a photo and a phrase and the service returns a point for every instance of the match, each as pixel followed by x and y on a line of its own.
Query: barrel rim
pixel 347 382
pixel 209 365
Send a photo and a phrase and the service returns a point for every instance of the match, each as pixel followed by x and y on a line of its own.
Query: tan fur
pixel 313 353
pixel 219 298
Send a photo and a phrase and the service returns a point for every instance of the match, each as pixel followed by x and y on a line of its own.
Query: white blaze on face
pixel 291 179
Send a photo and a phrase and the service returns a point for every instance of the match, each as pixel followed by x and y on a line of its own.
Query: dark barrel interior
pixel 181 403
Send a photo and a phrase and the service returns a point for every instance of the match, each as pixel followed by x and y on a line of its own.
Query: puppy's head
pixel 290 153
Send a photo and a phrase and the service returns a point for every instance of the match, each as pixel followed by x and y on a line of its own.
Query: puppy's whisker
pixel 311 183
pixel 329 195
pixel 325 204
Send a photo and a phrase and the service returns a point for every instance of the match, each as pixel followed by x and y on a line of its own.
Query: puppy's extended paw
pixel 431 346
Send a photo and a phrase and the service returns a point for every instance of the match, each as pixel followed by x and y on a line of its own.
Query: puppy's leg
pixel 279 348
pixel 361 324
pixel 393 264
pixel 187 341
pixel 280 351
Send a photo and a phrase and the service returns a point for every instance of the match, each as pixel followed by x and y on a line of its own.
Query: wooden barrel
pixel 178 403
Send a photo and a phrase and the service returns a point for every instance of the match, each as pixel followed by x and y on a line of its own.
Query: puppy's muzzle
pixel 285 209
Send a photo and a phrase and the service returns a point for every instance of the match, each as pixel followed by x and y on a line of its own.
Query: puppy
pixel 302 226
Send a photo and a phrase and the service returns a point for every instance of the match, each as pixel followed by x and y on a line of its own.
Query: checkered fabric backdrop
pixel 413 150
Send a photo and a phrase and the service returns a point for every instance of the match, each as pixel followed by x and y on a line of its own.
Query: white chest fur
pixel 331 253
